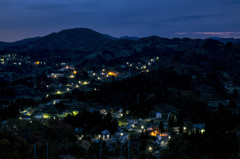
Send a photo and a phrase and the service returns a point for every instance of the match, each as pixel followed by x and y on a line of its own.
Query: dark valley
pixel 82 94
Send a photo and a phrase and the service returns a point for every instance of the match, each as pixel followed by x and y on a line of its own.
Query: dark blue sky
pixel 21 19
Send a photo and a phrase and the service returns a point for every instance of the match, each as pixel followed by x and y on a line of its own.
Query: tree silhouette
pixel 161 127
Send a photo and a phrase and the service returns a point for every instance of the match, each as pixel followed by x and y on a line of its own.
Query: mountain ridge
pixel 76 38
pixel 83 38
pixel 83 45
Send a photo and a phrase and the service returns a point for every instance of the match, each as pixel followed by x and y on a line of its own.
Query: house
pixel 4 124
pixel 55 75
pixel 78 130
pixel 149 129
pixel 103 111
pixel 39 116
pixel 105 134
pixel 56 101
pixel 120 110
pixel 159 137
pixel 158 115
pixel 200 127
pixel 3 106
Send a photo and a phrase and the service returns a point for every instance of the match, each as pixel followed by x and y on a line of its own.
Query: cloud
pixel 221 34
pixel 211 34
pixel 181 33
pixel 191 18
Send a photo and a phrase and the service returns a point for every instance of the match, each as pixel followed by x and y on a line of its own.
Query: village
pixel 52 85
pixel 128 131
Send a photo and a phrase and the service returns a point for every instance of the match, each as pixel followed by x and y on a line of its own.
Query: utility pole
pixel 121 150
pixel 138 150
pixel 128 149
pixel 101 149
pixel 35 154
pixel 47 150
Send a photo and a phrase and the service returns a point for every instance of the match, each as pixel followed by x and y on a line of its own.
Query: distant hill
pixel 110 37
pixel 17 43
pixel 23 42
pixel 130 38
pixel 85 47
pixel 71 39
pixel 3 45
pixel 225 40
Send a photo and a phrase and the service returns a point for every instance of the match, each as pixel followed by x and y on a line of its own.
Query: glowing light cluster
pixel 58 92
pixel 154 133
pixel 85 82
pixel 113 73
pixel 75 113
pixel 72 76
pixel 46 116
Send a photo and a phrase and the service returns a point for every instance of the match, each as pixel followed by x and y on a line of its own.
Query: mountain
pixel 110 37
pixel 130 38
pixel 3 45
pixel 19 43
pixel 23 42
pixel 71 39
pixel 226 40
pixel 83 46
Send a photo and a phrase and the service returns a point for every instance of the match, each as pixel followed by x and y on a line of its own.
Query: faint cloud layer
pixel 193 17
pixel 212 34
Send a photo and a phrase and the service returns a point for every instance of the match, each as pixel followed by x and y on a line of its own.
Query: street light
pixel 184 128
pixel 142 127
pixel 150 148
pixel 58 92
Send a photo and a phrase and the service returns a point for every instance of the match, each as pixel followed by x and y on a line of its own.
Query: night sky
pixel 21 19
